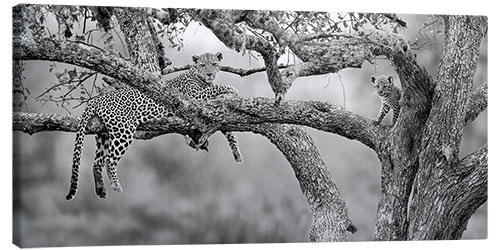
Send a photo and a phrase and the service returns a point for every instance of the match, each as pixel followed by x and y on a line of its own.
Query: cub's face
pixel 382 82
pixel 206 66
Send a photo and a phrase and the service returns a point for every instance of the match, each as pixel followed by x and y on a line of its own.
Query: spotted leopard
pixel 124 109
pixel 390 96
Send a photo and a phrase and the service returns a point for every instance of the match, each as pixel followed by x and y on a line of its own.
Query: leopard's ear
pixel 373 79
pixel 196 58
pixel 219 56
pixel 390 79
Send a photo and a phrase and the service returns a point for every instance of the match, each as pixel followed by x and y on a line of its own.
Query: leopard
pixel 124 109
pixel 389 94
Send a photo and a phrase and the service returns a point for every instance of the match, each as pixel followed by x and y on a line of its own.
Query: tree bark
pixel 437 210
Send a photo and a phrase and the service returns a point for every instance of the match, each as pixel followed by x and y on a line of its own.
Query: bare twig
pixel 237 71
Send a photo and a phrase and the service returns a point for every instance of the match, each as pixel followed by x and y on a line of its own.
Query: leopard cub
pixel 390 95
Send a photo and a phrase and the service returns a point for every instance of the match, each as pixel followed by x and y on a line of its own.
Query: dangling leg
pixel 233 144
pixel 118 145
pixel 99 161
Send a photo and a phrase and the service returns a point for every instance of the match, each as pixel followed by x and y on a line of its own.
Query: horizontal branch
pixel 324 116
pixel 246 72
pixel 32 123
pixel 233 114
pixel 237 71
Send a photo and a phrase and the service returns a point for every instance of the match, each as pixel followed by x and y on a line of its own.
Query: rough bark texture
pixel 437 195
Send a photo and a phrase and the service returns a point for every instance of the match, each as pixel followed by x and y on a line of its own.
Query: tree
pixel 420 164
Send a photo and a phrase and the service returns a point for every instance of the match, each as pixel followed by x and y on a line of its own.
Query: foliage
pixel 80 23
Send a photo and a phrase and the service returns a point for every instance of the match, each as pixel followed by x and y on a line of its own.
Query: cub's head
pixel 382 82
pixel 206 66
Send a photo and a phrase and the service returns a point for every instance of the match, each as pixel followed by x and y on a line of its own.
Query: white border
pixel 478 7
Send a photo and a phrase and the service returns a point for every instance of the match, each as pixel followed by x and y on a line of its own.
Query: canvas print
pixel 158 126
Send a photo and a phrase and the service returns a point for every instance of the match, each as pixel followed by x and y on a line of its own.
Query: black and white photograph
pixel 148 125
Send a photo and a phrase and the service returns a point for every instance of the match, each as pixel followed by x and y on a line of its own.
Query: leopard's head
pixel 206 66
pixel 382 82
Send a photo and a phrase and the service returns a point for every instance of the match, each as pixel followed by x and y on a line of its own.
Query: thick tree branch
pixel 239 114
pixel 472 189
pixel 32 123
pixel 476 103
pixel 475 163
pixel 320 115
pixel 327 205
pixel 464 190
pixel 455 78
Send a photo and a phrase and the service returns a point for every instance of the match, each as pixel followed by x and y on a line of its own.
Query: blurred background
pixel 175 195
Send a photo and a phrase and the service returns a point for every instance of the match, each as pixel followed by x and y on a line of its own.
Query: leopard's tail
pixel 80 136
pixel 233 144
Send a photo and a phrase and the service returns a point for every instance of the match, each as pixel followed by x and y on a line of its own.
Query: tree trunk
pixel 420 153
pixel 444 199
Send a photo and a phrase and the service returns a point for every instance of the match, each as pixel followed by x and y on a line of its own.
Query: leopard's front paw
pixel 116 186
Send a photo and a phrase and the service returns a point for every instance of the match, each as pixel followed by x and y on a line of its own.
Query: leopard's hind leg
pixel 118 142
